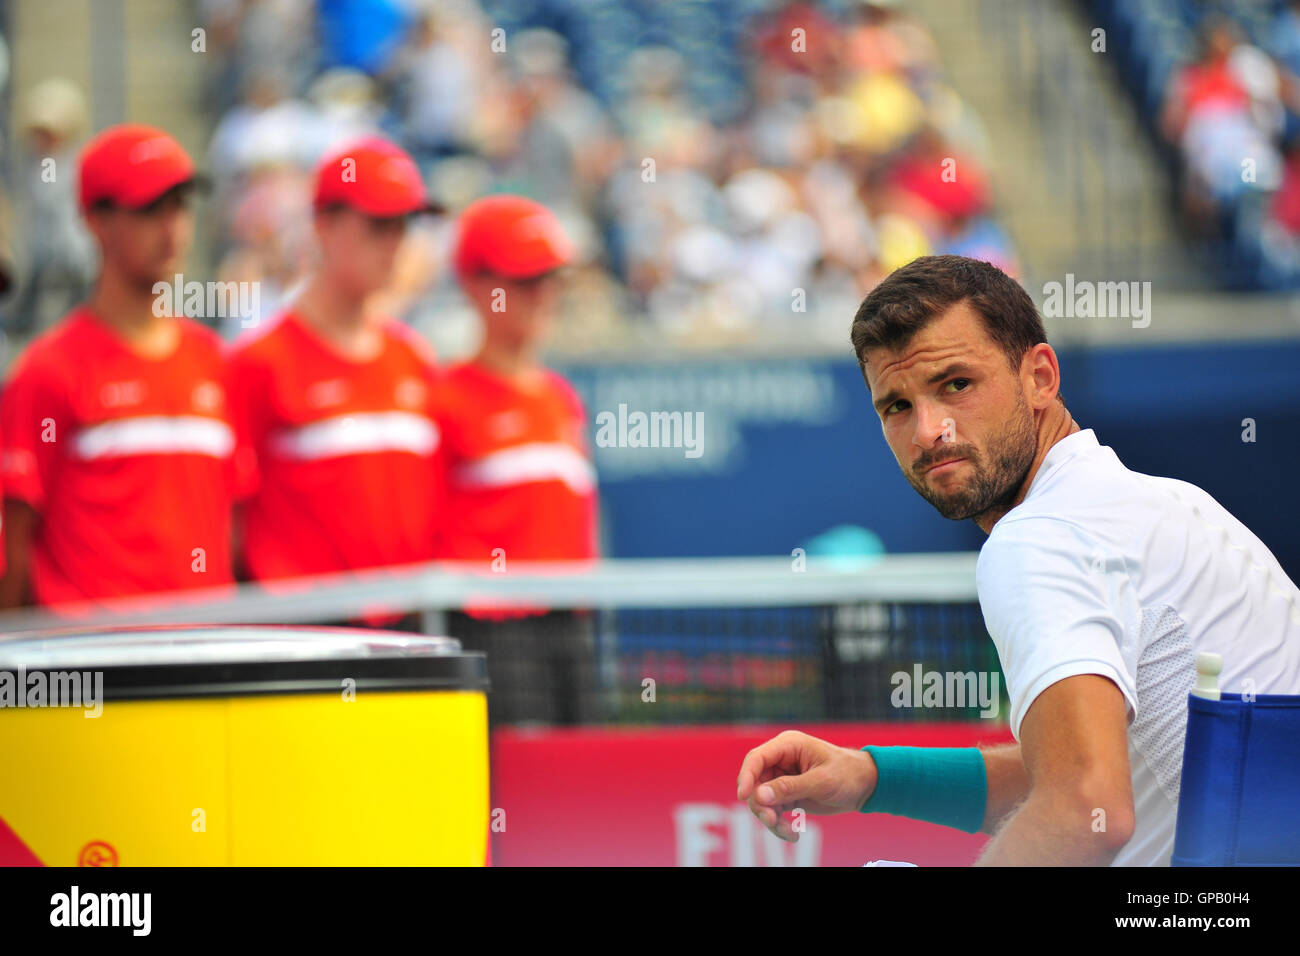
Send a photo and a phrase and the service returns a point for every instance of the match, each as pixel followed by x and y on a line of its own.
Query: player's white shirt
pixel 1101 570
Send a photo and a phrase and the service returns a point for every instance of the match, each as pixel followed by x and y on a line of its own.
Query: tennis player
pixel 1098 585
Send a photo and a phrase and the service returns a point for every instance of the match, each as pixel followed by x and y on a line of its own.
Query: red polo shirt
pixel 338 459
pixel 519 474
pixel 126 459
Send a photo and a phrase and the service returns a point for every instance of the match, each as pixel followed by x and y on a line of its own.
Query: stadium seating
pixel 1149 43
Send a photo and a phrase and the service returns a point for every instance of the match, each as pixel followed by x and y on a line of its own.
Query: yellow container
pixel 246 746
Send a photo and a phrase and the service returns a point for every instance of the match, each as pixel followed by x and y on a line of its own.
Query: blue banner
pixel 762 456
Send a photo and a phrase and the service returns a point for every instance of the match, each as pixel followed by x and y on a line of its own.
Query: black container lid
pixel 142 663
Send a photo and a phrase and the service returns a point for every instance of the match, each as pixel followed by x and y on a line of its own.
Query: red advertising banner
pixel 667 797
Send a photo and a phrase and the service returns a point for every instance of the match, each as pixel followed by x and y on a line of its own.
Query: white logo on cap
pixel 149 149
pixel 395 170
pixel 539 227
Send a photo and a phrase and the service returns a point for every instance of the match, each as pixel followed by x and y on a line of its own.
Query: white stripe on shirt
pixel 358 434
pixel 537 461
pixel 155 435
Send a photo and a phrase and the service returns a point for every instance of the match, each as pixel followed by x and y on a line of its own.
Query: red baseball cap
pixel 510 236
pixel 374 177
pixel 132 165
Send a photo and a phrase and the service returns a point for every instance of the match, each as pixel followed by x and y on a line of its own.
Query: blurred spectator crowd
pixel 731 170
pixel 1220 85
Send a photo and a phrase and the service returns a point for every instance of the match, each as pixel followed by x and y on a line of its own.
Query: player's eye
pixel 898 406
pixel 961 384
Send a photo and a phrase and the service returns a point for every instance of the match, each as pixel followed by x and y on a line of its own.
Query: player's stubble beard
pixel 996 478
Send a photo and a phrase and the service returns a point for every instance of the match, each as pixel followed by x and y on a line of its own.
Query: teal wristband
pixel 944 785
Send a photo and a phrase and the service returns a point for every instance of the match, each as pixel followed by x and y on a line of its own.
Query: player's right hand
pixel 795 771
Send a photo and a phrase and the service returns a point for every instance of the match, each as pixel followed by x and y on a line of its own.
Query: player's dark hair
pixel 918 293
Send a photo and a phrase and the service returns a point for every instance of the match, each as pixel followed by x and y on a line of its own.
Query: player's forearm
pixel 14 584
pixel 18 519
pixel 1052 830
pixel 13 589
pixel 1008 784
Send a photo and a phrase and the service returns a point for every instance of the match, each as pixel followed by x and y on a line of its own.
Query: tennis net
pixel 653 642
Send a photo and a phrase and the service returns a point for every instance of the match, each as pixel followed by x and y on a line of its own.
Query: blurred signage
pixel 789 447
pixel 633 797
pixel 726 397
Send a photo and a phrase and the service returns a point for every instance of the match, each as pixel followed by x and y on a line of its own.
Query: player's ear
pixel 480 285
pixel 97 219
pixel 1044 368
pixel 323 220
pixel 320 220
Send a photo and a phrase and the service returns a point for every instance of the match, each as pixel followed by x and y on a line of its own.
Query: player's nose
pixel 932 426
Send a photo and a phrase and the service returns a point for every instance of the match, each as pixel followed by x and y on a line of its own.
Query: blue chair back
pixel 1239 801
